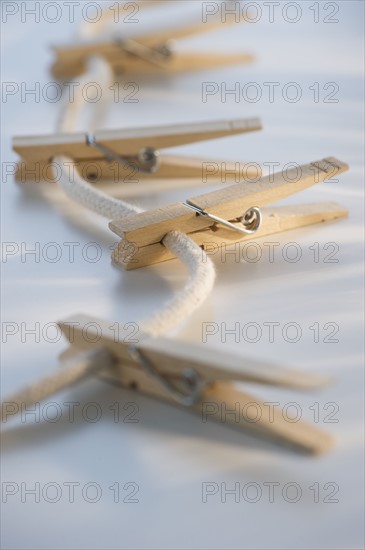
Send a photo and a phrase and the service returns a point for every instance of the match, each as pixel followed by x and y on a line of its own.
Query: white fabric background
pixel 170 453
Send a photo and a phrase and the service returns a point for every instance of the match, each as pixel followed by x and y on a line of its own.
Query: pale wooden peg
pixel 215 369
pixel 119 154
pixel 274 220
pixel 229 203
pixel 99 349
pixel 149 52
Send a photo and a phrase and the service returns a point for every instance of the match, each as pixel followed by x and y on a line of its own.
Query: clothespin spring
pixel 158 56
pixel 147 161
pixel 189 378
pixel 251 219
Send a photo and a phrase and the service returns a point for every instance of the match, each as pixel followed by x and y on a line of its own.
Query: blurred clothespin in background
pixel 149 52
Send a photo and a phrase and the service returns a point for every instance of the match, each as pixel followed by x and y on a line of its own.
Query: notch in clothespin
pixel 190 376
pixel 151 52
pixel 130 154
pixel 233 214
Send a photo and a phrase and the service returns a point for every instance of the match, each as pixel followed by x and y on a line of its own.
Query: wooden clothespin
pixel 148 53
pixel 131 154
pixel 191 376
pixel 233 214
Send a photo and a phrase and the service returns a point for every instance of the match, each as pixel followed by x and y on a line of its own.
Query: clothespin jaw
pixel 149 53
pixel 205 218
pixel 194 376
pixel 131 154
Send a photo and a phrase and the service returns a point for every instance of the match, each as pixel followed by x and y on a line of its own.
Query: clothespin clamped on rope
pixel 151 52
pixel 232 214
pixel 134 153
pixel 190 376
